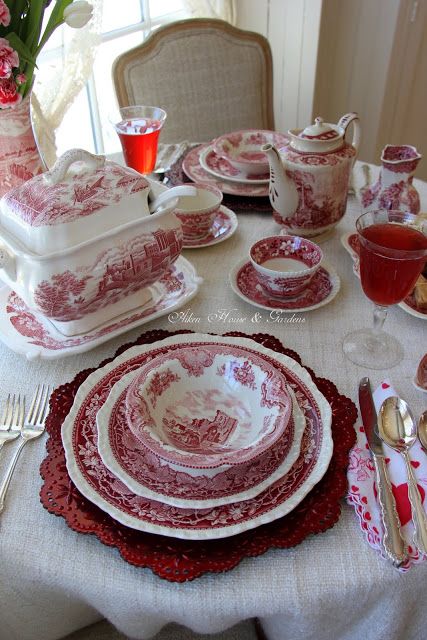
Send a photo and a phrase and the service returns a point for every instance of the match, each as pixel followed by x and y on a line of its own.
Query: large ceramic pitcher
pixel 309 177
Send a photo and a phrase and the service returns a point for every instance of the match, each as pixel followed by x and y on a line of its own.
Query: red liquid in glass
pixel 139 138
pixel 388 278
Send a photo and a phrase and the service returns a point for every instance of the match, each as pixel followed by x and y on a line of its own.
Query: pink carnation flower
pixel 4 14
pixel 8 59
pixel 9 96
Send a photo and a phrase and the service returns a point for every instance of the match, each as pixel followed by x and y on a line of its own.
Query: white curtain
pixel 51 100
pixel 223 9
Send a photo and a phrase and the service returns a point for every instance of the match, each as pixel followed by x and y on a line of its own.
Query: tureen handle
pixel 61 166
pixel 343 124
pixel 7 262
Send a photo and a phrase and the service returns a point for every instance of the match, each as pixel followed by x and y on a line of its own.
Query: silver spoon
pixel 422 430
pixel 398 429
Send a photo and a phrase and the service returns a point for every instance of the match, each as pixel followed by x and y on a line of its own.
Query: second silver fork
pixel 33 427
pixel 12 418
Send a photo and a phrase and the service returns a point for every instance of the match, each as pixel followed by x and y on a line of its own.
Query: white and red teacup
pixel 197 213
pixel 285 265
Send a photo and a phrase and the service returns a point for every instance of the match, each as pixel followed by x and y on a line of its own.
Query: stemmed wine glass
pixel 393 252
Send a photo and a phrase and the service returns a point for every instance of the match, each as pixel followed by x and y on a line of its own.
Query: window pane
pixel 164 7
pixel 120 14
pixel 102 72
pixel 76 129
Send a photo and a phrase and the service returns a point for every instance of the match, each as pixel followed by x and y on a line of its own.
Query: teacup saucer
pixel 322 289
pixel 224 225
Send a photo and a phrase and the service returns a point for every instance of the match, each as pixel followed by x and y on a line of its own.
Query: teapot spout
pixel 282 189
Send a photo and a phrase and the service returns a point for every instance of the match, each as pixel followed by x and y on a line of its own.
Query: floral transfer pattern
pixel 38 204
pixel 184 427
pixel 171 519
pixel 322 200
pixel 147 468
pixel 115 273
pixel 318 290
pixel 19 157
pixel 193 169
pixel 180 561
pixel 160 382
pixel 38 331
pixel 394 188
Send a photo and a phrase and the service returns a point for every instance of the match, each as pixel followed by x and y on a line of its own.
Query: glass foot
pixel 377 350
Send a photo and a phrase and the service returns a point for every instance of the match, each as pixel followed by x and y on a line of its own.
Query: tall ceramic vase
pixel 19 157
pixel 394 188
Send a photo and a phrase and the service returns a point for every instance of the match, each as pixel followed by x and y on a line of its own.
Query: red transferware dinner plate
pixel 180 560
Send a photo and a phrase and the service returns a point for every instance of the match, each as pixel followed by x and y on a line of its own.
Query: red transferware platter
pixel 181 560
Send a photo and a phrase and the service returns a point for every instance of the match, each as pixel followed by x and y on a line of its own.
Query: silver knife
pixel 394 544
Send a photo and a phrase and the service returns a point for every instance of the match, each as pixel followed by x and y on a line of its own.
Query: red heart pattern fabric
pixel 362 493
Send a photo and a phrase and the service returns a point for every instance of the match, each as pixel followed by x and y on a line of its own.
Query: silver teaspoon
pixel 398 429
pixel 422 430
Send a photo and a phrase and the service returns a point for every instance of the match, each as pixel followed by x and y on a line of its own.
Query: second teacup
pixel 196 213
pixel 285 265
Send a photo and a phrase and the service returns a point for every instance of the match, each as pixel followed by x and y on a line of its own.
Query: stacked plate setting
pixel 198 436
pixel 234 162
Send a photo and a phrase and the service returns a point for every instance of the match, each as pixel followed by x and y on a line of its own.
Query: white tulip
pixel 77 14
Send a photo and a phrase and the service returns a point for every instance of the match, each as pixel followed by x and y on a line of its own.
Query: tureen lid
pixel 81 197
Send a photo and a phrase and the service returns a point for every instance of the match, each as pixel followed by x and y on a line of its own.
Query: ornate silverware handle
pixel 419 517
pixel 393 543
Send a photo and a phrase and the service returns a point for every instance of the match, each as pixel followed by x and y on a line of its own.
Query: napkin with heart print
pixel 362 490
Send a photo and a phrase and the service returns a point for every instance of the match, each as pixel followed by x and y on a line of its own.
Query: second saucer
pixel 321 290
pixel 223 226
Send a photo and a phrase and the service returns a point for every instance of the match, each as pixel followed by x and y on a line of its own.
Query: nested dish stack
pixel 234 162
pixel 198 437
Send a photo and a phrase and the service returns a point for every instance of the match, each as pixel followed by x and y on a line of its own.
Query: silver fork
pixel 12 419
pixel 33 427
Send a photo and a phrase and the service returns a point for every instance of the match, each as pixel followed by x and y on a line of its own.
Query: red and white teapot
pixel 309 177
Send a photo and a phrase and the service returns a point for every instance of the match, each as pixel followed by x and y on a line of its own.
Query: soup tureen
pixel 79 245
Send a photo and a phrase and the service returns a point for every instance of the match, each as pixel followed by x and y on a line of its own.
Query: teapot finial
pixel 318 120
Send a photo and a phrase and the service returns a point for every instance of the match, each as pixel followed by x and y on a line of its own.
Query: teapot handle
pixel 343 124
pixel 61 166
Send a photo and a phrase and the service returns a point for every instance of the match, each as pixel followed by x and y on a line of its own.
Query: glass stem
pixel 380 314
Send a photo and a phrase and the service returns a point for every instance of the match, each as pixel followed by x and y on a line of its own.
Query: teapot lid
pixel 320 130
pixel 320 137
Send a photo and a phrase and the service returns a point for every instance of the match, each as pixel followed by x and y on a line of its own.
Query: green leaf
pixel 21 48
pixel 56 19
pixel 34 24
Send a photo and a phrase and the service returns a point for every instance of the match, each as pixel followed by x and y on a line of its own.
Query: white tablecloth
pixel 53 580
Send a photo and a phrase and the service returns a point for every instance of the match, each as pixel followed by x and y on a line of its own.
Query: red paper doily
pixel 181 560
